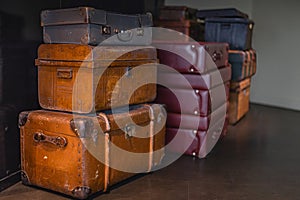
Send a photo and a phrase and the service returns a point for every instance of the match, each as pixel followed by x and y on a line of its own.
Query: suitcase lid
pixel 238 56
pixel 84 126
pixel 87 53
pixel 223 12
pixel 229 20
pixel 84 15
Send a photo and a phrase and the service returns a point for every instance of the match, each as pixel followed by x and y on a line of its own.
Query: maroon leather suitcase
pixel 196 122
pixel 191 57
pixel 196 102
pixel 202 82
pixel 189 141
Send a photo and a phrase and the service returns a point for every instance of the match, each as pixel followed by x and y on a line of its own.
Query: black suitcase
pixel 18 75
pixel 86 25
pixel 9 147
pixel 237 32
pixel 223 12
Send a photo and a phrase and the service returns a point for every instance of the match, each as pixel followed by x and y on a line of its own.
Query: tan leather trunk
pixel 83 79
pixel 239 100
pixel 79 155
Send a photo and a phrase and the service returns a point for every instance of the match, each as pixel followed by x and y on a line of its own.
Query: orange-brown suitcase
pixel 79 155
pixel 239 99
pixel 83 79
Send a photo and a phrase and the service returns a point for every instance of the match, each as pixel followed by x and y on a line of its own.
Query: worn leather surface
pixel 193 102
pixel 197 81
pixel 195 122
pixel 65 168
pixel 68 82
pixel 191 57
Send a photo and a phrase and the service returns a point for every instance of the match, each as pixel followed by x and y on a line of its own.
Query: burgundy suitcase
pixel 86 25
pixel 195 102
pixel 9 147
pixel 196 122
pixel 177 13
pixel 191 57
pixel 192 142
pixel 202 82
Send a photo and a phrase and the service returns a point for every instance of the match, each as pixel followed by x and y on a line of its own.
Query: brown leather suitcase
pixel 86 25
pixel 9 147
pixel 82 78
pixel 177 13
pixel 204 81
pixel 79 155
pixel 192 58
pixel 191 28
pixel 196 101
pixel 239 100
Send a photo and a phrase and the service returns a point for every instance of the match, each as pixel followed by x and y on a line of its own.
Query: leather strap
pixel 151 132
pixel 107 150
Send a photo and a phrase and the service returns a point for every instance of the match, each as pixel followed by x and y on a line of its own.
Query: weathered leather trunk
pixel 177 13
pixel 192 28
pixel 196 102
pixel 18 77
pixel 192 58
pixel 224 12
pixel 79 155
pixel 83 79
pixel 243 64
pixel 9 147
pixel 239 100
pixel 86 25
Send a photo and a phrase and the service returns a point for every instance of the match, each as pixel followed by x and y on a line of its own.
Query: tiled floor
pixel 259 159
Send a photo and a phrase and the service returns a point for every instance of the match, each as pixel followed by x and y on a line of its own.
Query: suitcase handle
pixel 64 73
pixel 56 140
pixel 125 36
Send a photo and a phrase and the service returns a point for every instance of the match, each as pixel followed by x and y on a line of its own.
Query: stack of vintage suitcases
pixel 17 83
pixel 235 28
pixel 86 138
pixel 195 124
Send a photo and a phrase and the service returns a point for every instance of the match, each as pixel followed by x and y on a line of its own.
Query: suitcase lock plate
pixel 56 140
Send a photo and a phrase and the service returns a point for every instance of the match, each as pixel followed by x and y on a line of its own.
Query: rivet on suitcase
pixel 79 155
